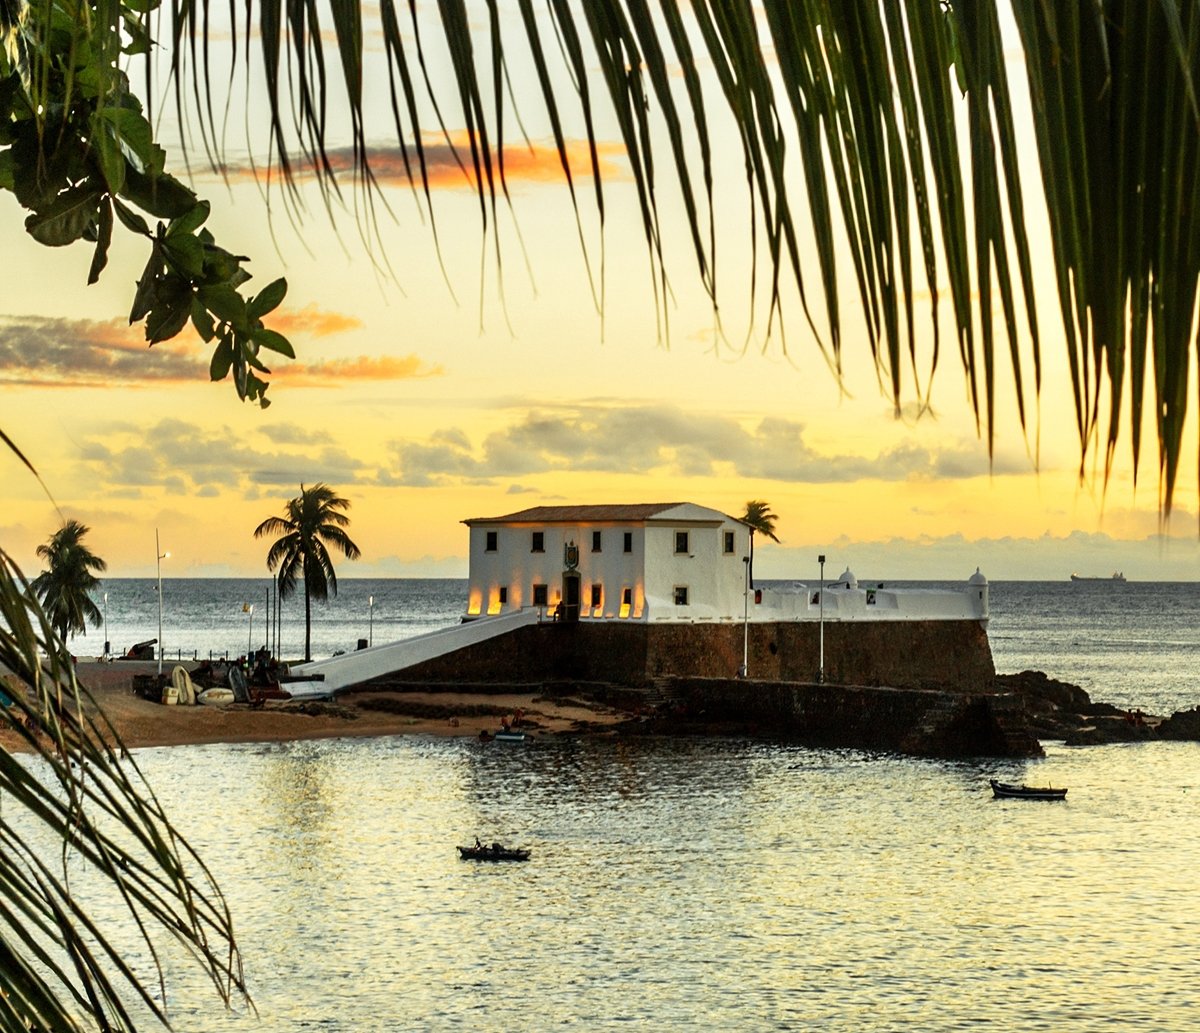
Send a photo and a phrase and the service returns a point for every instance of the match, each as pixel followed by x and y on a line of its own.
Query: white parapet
pixel 341 672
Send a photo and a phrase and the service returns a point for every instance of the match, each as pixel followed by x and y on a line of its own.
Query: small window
pixel 629 541
pixel 627 597
pixel 540 597
pixel 681 595
pixel 491 541
pixel 729 543
pixel 597 594
pixel 595 541
pixel 503 594
pixel 681 543
pixel 539 542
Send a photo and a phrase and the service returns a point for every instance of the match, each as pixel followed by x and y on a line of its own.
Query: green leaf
pixel 160 195
pixel 104 228
pixel 106 146
pixel 172 308
pixel 131 130
pixel 186 253
pixel 65 221
pixel 274 341
pixel 130 219
pixel 203 322
pixel 222 358
pixel 268 299
pixel 190 221
pixel 6 170
pixel 147 286
pixel 225 303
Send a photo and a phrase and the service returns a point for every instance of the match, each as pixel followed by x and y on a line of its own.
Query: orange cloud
pixel 312 321
pixel 449 165
pixel 325 374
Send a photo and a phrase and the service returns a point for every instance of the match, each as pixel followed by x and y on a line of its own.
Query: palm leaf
pixel 58 968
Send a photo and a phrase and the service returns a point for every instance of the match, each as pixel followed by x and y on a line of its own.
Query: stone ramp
pixel 343 672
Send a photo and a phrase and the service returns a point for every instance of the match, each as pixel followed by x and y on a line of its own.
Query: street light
pixel 248 609
pixel 159 557
pixel 821 667
pixel 371 620
pixel 106 642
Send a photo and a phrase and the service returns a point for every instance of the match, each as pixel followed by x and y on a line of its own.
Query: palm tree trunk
pixel 752 559
pixel 307 624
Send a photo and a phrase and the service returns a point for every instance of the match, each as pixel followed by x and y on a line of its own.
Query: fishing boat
pixel 1114 576
pixel 492 852
pixel 508 735
pixel 1009 791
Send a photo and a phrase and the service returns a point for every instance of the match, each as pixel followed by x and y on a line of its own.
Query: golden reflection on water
pixel 700 884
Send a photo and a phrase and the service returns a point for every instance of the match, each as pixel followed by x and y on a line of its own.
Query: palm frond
pixel 58 967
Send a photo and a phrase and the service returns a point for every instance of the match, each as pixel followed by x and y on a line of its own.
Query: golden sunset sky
pixel 426 398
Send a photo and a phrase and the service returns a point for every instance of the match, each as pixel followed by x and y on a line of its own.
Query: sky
pixel 433 384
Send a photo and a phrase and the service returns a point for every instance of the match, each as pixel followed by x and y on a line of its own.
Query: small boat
pixel 508 735
pixel 1115 576
pixel 492 852
pixel 1008 791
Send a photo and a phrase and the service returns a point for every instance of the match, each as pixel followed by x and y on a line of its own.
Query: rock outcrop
pixel 1060 710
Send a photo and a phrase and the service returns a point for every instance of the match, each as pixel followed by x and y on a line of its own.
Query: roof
pixel 583 514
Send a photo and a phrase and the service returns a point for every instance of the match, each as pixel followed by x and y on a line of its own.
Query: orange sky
pixel 428 397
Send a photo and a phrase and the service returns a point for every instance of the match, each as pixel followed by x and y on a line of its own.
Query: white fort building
pixel 675 562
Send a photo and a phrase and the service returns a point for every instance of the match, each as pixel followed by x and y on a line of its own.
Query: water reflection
pixel 699 884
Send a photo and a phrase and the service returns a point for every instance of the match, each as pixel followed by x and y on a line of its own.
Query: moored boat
pixel 1009 791
pixel 492 852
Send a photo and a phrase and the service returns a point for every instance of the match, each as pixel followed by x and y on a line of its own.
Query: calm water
pixel 717 884
pixel 697 885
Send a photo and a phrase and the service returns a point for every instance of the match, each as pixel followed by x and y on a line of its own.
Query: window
pixel 729 542
pixel 503 594
pixel 540 597
pixel 629 541
pixel 539 542
pixel 681 543
pixel 627 597
pixel 595 541
pixel 597 594
pixel 491 541
pixel 681 595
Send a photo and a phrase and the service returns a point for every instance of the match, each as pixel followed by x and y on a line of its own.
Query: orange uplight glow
pixel 475 602
pixel 494 604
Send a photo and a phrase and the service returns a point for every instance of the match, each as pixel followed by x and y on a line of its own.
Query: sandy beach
pixel 142 723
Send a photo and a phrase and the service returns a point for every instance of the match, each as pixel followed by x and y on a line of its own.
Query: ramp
pixel 341 672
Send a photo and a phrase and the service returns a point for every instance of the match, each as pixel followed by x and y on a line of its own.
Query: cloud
pixel 55 352
pixel 312 322
pixel 667 440
pixel 450 165
pixel 37 351
pixel 187 460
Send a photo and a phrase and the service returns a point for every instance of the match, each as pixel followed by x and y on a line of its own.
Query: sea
pixel 693 883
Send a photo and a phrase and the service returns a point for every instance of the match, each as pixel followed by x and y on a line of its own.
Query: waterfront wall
pixel 940 655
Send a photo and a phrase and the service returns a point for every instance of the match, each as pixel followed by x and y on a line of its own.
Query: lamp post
pixel 106 642
pixel 159 557
pixel 370 620
pixel 821 662
pixel 745 668
pixel 248 609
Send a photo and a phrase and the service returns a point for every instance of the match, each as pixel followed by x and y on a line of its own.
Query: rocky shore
pixel 1060 710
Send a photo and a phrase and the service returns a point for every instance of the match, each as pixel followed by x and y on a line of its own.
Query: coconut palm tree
pixel 760 519
pixel 311 523
pixel 65 587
